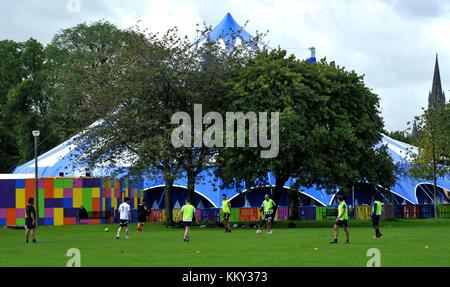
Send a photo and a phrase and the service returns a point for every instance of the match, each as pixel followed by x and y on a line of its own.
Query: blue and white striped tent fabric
pixel 64 158
pixel 406 187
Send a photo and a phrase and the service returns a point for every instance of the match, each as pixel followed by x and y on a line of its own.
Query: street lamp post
pixel 36 133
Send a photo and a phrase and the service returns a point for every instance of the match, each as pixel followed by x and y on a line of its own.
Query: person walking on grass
pixel 30 221
pixel 188 212
pixel 125 216
pixel 341 220
pixel 142 214
pixel 226 211
pixel 376 215
pixel 267 206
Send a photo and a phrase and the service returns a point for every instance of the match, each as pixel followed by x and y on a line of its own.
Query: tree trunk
pixel 279 183
pixel 191 187
pixel 434 180
pixel 169 202
pixel 293 204
pixel 392 205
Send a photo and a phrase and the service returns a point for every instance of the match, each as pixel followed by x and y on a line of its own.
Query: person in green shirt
pixel 341 219
pixel 267 206
pixel 376 215
pixel 226 210
pixel 188 212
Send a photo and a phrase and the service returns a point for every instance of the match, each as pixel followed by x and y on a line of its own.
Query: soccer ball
pixel 106 229
pixel 258 231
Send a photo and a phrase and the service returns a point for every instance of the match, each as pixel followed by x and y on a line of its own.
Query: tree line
pixel 134 81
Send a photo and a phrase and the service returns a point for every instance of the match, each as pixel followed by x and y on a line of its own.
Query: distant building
pixel 414 131
pixel 436 96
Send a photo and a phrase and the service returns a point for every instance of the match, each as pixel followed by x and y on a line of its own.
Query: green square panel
pixel 59 183
pixel 87 198
pixel 68 183
pixel 20 221
pixel 41 197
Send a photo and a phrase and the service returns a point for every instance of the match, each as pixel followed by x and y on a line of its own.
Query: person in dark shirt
pixel 82 213
pixel 143 211
pixel 30 221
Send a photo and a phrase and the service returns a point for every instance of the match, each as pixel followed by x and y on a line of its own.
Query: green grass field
pixel 403 244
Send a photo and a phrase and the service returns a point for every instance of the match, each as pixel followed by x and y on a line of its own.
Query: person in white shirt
pixel 125 216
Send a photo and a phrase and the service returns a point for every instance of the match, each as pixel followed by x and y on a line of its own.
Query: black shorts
pixel 268 217
pixel 226 216
pixel 142 218
pixel 124 222
pixel 342 223
pixel 376 219
pixel 187 223
pixel 29 224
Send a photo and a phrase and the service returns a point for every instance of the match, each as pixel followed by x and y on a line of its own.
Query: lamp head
pixel 36 133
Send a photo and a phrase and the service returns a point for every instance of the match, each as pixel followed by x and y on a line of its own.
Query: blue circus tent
pixel 66 158
pixel 229 34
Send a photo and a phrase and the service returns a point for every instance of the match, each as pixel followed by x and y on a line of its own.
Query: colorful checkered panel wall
pixel 60 198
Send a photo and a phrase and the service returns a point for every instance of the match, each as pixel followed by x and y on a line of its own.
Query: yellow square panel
pixel 58 216
pixel 77 197
pixel 96 192
pixel 58 193
pixel 20 198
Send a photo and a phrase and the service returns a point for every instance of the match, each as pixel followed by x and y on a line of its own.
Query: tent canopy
pixel 223 34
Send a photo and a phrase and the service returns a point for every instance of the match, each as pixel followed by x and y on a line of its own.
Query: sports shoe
pixel 126 237
pixel 34 241
pixel 335 241
pixel 187 239
pixel 346 242
pixel 117 237
pixel 379 235
pixel 229 230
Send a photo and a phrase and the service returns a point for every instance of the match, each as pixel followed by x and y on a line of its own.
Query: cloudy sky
pixel 392 42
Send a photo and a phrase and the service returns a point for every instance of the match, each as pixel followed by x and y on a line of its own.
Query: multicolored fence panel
pixel 426 211
pixel 248 214
pixel 444 211
pixel 210 214
pixel 282 213
pixel 59 199
pixel 363 212
pixel 307 212
pixel 321 213
pixel 410 211
pixel 234 215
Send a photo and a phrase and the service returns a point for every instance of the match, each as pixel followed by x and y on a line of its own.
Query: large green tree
pixel 136 93
pixel 28 103
pixel 11 74
pixel 432 158
pixel 329 124
pixel 71 52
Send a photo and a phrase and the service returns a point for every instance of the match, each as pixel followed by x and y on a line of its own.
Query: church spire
pixel 414 129
pixel 436 97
